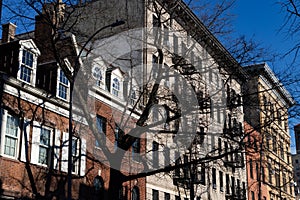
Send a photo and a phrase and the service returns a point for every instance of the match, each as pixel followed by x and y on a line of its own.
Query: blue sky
pixel 263 19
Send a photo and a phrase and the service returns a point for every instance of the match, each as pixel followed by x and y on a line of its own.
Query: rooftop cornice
pixel 265 71
pixel 188 20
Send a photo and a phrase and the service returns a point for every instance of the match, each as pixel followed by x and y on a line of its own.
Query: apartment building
pixel 296 159
pixel 36 149
pixel 270 169
pixel 174 52
pixel 162 45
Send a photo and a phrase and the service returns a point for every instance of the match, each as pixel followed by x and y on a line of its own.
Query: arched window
pixel 115 87
pixel 135 193
pixel 98 185
pixel 97 74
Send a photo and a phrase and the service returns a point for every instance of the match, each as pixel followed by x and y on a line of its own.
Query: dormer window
pixel 28 54
pixel 26 66
pixel 116 87
pixel 97 74
pixel 63 85
pixel 132 98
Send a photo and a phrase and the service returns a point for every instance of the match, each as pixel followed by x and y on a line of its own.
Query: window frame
pixel 30 47
pixel 65 85
pixel 103 121
pixel 26 63
pixel 5 115
pixel 36 144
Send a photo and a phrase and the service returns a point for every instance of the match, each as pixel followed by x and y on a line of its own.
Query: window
pixel 167 156
pixel 274 143
pixel 257 171
pixel 155 194
pixel 44 146
pixel 177 162
pixel 238 186
pixel 166 35
pixel 177 197
pixel 101 126
pixel 175 43
pixel 252 195
pixel 118 136
pixel 136 149
pixel 281 150
pixel 167 196
pixel 99 186
pixel 133 98
pixel 270 172
pixel 277 179
pixel 219 146
pixel 135 193
pixel 221 180
pixel 63 85
pixel 116 87
pixel 78 154
pixel 232 185
pixel 251 168
pixel 202 175
pixel 155 21
pixel 41 144
pixel 214 178
pixel 226 150
pixel 26 66
pixel 11 138
pixel 75 154
pixel 227 184
pixel 97 74
pixel 155 154
pixel 284 182
pixel 154 66
pixel 186 167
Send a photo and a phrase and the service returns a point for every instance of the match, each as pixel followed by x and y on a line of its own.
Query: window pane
pixel 27 58
pixel 115 87
pixel 62 78
pixel 10 146
pixel 43 155
pixel 25 74
pixel 45 137
pixel 12 126
pixel 62 91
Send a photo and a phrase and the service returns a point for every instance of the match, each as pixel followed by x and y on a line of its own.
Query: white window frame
pixel 37 145
pixel 29 46
pixel 76 155
pixel 99 75
pixel 67 86
pixel 4 115
pixel 80 166
pixel 116 88
pixel 117 92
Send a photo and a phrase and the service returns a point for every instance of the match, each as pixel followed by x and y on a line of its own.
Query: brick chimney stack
pixel 8 32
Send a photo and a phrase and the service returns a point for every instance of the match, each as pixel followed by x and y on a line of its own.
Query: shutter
pixel 83 157
pixel 56 147
pixel 35 142
pixel 3 124
pixel 3 115
pixel 25 140
pixel 64 156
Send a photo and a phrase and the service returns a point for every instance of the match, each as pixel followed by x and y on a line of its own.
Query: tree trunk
pixel 115 184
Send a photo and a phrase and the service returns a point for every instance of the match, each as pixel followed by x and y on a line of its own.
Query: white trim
pixel 35 147
pixel 4 115
pixel 65 85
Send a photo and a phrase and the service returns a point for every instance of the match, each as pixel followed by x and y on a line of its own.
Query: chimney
pixel 8 32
